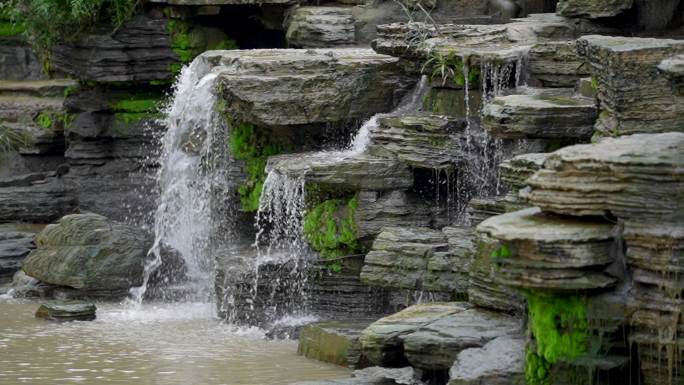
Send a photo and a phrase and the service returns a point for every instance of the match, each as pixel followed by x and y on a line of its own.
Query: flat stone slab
pixel 592 9
pixel 276 87
pixel 430 336
pixel 540 114
pixel 556 63
pixel 332 341
pixel 499 362
pixel 550 252
pixel 516 170
pixel 66 312
pixel 637 176
pixel 344 170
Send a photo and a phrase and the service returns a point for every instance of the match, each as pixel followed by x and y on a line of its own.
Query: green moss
pixel 330 228
pixel 188 42
pixel 502 252
pixel 536 369
pixel 70 91
pixel 251 145
pixel 136 104
pixel 45 120
pixel 134 117
pixel 559 325
pixel 594 83
pixel 11 29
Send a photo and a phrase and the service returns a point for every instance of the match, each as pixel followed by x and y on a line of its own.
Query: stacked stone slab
pixel 637 179
pixel 556 64
pixel 540 114
pixel 635 96
pixel 312 27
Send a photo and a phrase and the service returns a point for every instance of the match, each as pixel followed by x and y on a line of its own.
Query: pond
pixel 163 344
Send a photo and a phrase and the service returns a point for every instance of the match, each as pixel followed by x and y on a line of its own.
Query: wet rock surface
pixel 499 362
pixel 334 342
pixel 88 252
pixel 68 311
pixel 16 241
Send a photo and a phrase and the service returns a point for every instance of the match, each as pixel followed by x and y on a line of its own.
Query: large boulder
pixel 88 252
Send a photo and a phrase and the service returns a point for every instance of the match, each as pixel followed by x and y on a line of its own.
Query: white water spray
pixel 182 220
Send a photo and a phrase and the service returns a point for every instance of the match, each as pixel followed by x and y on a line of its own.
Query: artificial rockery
pixel 515 216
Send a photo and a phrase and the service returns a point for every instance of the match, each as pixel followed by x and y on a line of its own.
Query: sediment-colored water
pixel 164 344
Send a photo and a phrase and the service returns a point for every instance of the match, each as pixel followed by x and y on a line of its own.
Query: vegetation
pixel 12 140
pixel 47 21
pixel 251 145
pixel 330 227
pixel 186 45
pixel 449 67
pixel 559 327
pixel 137 106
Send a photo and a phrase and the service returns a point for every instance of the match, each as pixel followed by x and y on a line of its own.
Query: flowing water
pixel 169 344
pixel 186 178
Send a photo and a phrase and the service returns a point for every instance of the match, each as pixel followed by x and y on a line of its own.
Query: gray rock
pixel 484 290
pixel 400 256
pixel 322 26
pixel 307 86
pixel 430 336
pixel 344 170
pixel 635 176
pixel 66 311
pixel 540 114
pixel 377 210
pixel 673 69
pixel 436 345
pixel 556 63
pixel 635 96
pixel 334 342
pixel 375 376
pixel 88 252
pixel 447 271
pixel 516 170
pixel 425 141
pixel 541 251
pixel 592 9
pixel 16 241
pixel 35 198
pixel 382 341
pixel 499 362
pixel 17 60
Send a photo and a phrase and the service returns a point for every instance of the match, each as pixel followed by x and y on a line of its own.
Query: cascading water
pixel 182 223
pixel 280 240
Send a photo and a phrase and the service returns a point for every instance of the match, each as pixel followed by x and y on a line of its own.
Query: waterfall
pixel 280 242
pixel 182 221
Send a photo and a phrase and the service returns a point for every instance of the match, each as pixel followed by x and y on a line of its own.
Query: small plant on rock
pixel 449 67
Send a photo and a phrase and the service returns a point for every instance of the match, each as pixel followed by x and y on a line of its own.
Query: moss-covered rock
pixel 334 342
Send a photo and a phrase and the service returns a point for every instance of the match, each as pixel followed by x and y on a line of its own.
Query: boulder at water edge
pixel 88 252
pixel 71 311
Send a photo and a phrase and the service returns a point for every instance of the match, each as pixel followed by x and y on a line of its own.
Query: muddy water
pixel 162 344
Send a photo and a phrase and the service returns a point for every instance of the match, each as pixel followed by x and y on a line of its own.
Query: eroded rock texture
pixel 635 96
pixel 88 252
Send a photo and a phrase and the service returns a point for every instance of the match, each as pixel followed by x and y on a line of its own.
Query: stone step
pixel 41 88
pixel 27 108
pixel 540 114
